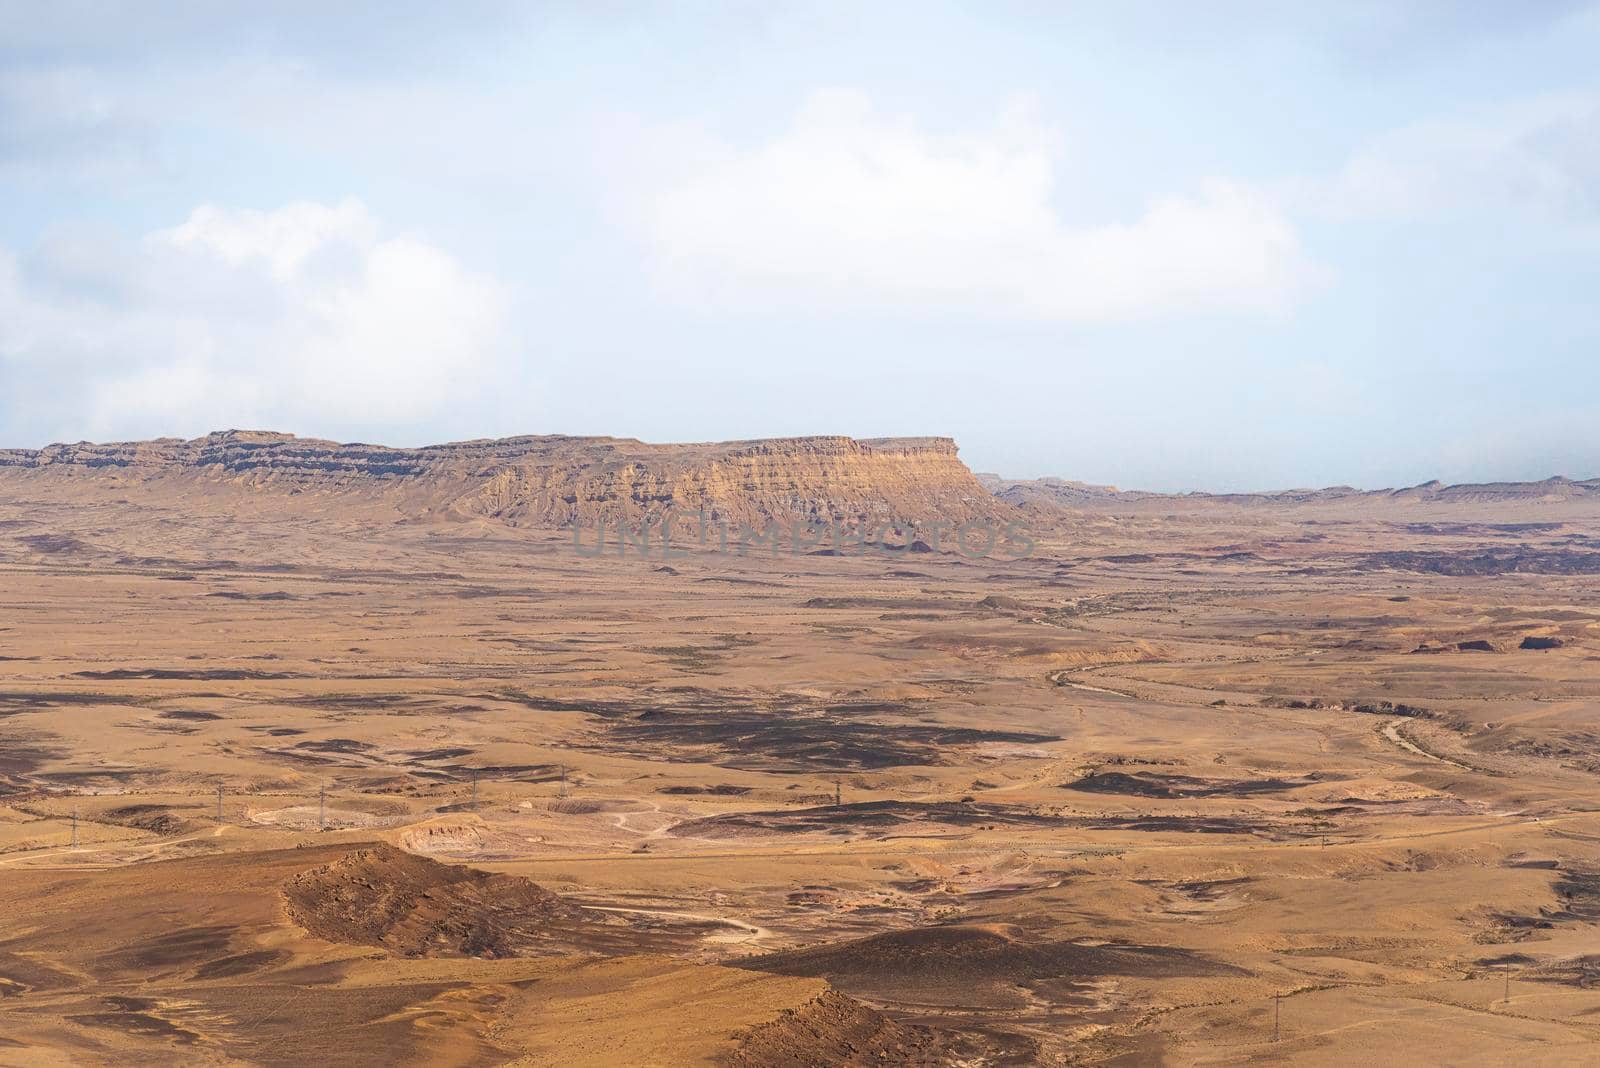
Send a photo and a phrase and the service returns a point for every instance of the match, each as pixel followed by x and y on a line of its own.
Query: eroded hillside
pixel 540 481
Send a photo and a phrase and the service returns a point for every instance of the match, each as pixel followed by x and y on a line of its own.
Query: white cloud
pixel 282 240
pixel 855 208
pixel 1534 156
pixel 308 317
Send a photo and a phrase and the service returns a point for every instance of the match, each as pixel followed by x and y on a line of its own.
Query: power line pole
pixel 563 780
pixel 1508 986
pixel 838 792
pixel 219 804
pixel 74 828
pixel 322 807
pixel 474 790
pixel 1277 1004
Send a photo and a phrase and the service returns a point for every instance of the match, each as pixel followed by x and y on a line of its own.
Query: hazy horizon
pixel 976 469
pixel 1256 247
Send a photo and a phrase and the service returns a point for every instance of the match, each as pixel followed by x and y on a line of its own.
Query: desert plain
pixel 323 755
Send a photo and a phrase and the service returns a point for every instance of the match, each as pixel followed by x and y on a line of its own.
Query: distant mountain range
pixel 1057 493
pixel 554 481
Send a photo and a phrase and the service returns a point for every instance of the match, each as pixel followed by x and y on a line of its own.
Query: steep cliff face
pixel 543 481
pixel 813 479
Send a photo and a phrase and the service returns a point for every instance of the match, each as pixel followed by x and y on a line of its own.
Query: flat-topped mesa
pixel 540 481
pixel 816 479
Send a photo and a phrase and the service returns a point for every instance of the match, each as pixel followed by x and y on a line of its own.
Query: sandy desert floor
pixel 1225 786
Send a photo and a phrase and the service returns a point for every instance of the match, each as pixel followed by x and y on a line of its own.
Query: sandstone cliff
pixel 539 481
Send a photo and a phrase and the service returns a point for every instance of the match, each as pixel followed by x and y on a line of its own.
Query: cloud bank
pixel 308 316
pixel 851 207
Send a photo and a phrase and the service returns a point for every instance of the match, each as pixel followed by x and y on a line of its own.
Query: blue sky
pixel 1230 246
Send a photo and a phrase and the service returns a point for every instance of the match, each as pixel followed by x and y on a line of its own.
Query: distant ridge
pixel 536 480
pixel 1062 494
pixel 556 481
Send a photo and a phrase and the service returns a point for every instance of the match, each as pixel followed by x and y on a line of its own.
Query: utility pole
pixel 474 790
pixel 322 807
pixel 1277 1003
pixel 219 804
pixel 74 828
pixel 1508 986
pixel 563 780
pixel 838 792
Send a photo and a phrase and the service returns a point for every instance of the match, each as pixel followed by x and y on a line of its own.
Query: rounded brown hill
pixel 838 1030
pixel 416 907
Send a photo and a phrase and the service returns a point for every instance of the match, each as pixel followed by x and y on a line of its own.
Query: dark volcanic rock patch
pixel 770 732
pixel 1366 708
pixel 53 544
pixel 127 1016
pixel 182 948
pixel 1242 825
pixel 789 741
pixel 196 674
pixel 13 702
pixel 1493 562
pixel 870 816
pixel 237 595
pixel 969 965
pixel 1152 784
pixel 720 790
pixel 1581 972
pixel 879 819
pixel 914 604
pixel 242 964
pixel 1579 892
pixel 20 759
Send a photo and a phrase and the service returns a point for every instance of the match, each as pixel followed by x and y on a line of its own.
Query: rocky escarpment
pixel 541 481
pixel 815 479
